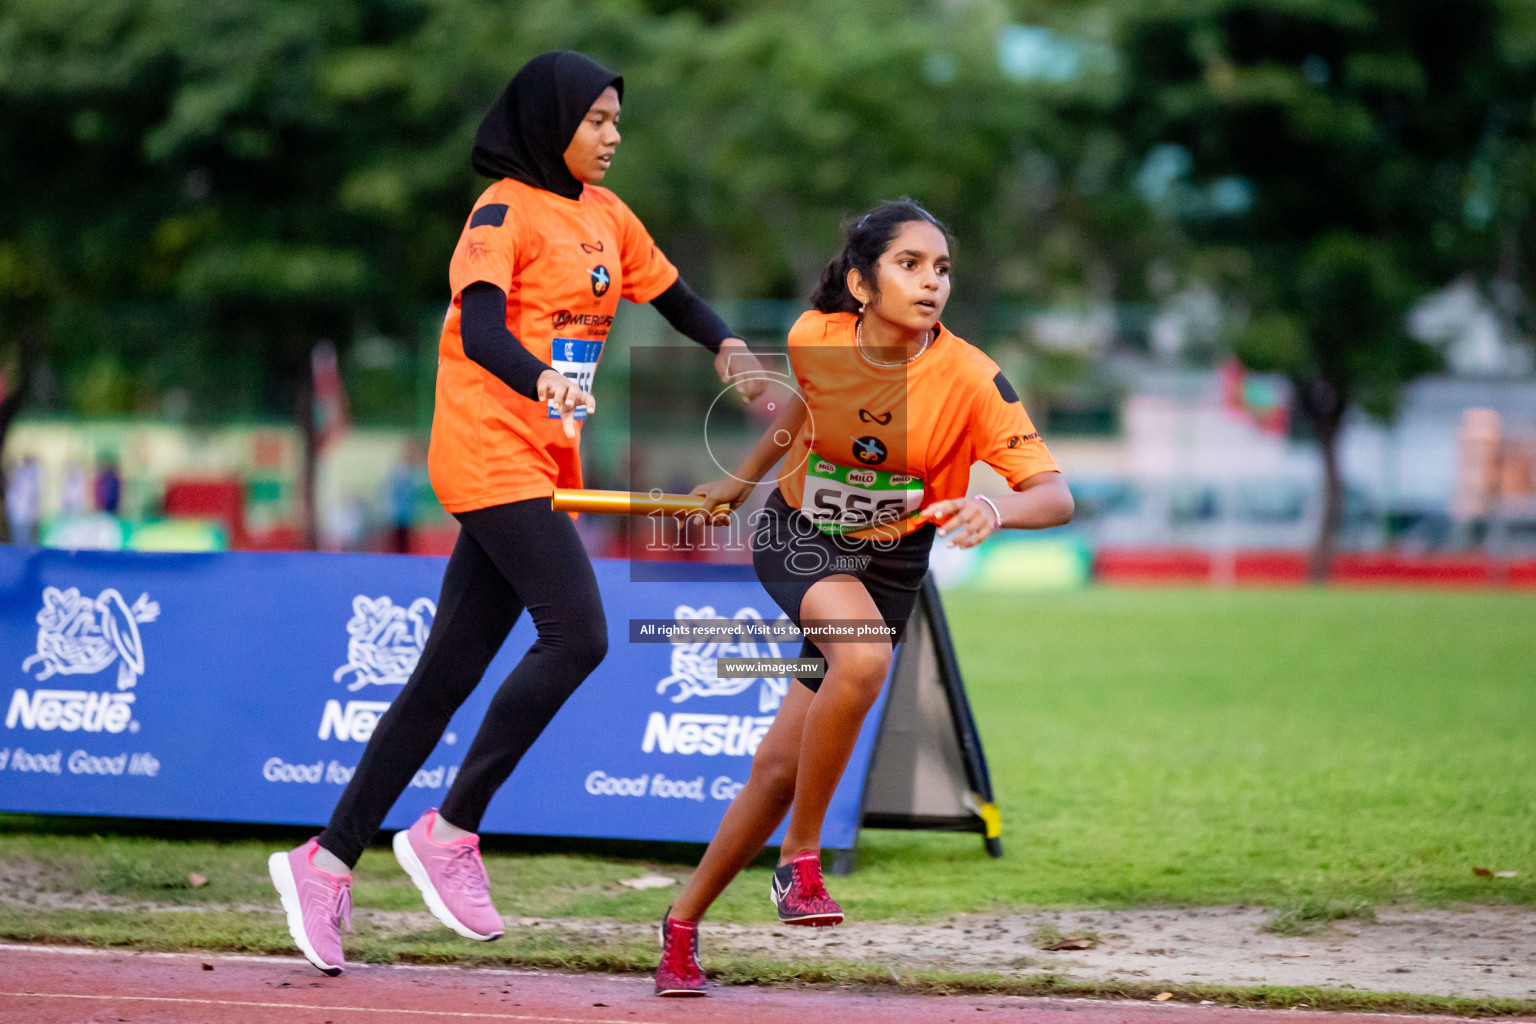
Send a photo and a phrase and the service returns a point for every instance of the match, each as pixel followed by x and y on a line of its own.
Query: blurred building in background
pixel 1163 453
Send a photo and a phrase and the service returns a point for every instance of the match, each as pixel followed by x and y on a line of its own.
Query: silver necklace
pixel 858 342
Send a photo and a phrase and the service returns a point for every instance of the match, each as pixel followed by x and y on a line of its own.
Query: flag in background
pixel 1262 399
pixel 331 417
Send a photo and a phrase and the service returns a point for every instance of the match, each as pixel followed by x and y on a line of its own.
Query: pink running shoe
pixel 451 877
pixel 317 902
pixel 801 896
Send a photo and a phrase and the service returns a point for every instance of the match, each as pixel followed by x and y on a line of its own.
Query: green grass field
pixel 1200 747
pixel 1311 751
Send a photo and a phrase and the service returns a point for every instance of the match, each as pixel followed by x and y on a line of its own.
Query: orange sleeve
pixel 647 273
pixel 487 249
pixel 1004 437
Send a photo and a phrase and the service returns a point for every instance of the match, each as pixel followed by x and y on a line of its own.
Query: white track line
pixel 21 947
pixel 276 958
pixel 330 1008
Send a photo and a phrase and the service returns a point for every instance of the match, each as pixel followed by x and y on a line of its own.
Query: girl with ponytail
pixel 874 463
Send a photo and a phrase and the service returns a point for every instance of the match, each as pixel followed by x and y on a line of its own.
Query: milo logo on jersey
pixel 841 499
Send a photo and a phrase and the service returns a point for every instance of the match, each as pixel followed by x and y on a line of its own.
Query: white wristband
pixel 997 517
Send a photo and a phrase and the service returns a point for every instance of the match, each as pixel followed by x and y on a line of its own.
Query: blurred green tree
pixel 762 132
pixel 199 193
pixel 1499 193
pixel 1330 145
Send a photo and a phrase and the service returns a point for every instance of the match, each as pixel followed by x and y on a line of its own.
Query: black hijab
pixel 525 135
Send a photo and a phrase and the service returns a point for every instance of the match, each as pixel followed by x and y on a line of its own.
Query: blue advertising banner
pixel 243 687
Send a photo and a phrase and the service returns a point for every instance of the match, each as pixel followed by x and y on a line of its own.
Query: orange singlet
pixel 563 264
pixel 888 441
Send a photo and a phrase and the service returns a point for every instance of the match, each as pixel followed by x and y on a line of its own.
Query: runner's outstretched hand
pixel 736 365
pixel 965 521
pixel 556 387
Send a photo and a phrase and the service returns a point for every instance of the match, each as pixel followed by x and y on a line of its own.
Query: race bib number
pixel 842 499
pixel 576 359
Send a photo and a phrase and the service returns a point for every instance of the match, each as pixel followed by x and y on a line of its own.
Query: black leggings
pixel 508 557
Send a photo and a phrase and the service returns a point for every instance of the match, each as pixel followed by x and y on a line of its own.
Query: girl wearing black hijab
pixel 543 260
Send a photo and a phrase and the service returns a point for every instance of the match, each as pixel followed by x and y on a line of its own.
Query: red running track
pixel 61 985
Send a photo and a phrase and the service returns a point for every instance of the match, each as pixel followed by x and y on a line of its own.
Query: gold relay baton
pixel 632 503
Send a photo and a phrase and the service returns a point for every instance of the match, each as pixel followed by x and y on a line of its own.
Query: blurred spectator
pixel 109 487
pixel 23 494
pixel 404 479
pixel 344 525
pixel 75 496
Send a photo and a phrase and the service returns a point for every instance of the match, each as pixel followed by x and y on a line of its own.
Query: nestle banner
pixel 243 686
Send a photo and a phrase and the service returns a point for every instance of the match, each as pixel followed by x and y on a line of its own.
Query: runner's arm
pixel 1008 442
pixel 769 449
pixel 691 317
pixel 1037 503
pixel 483 326
pixel 1040 502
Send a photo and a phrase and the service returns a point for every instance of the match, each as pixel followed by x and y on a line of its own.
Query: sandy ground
pixel 1469 951
pixel 1481 951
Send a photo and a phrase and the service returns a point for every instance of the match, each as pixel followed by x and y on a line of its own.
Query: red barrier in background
pixel 1190 567
pixel 437 539
pixel 1141 567
pixel 221 500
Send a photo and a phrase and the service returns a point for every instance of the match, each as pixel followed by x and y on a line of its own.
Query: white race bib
pixel 577 359
pixel 842 499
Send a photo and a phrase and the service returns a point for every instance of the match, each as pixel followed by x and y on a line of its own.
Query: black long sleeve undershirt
pixel 691 317
pixel 483 326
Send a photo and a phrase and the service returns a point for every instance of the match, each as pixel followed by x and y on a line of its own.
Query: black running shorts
pixel 790 555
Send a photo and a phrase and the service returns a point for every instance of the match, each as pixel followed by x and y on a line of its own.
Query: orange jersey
pixel 563 264
pixel 902 437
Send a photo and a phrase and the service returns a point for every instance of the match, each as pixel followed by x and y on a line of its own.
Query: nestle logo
pixel 71 710
pixel 356 721
pixel 732 735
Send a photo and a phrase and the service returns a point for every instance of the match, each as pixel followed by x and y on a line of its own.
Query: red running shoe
pixel 801 895
pixel 679 973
